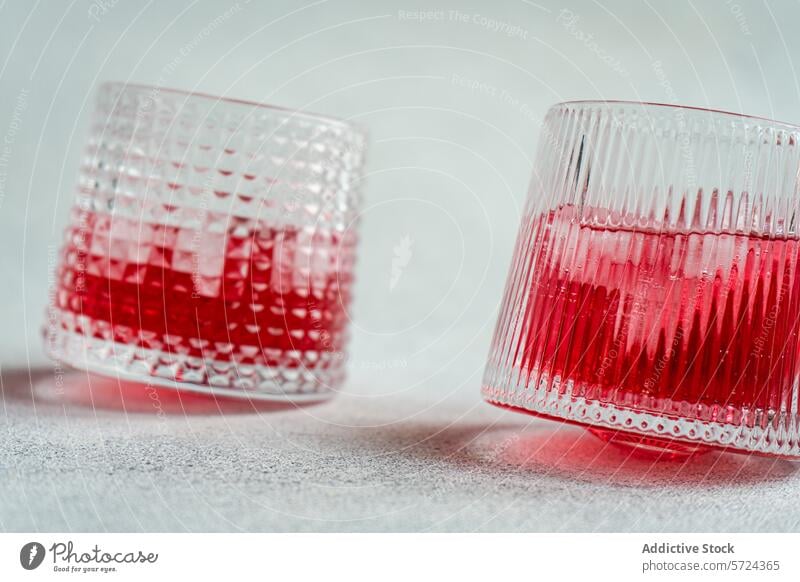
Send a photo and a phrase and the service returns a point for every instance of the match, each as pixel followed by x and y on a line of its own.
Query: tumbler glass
pixel 654 293
pixel 211 246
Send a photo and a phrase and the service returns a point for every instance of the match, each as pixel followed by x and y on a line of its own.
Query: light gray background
pixel 454 108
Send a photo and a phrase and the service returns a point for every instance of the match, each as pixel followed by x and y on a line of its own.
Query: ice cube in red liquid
pixel 692 324
pixel 258 290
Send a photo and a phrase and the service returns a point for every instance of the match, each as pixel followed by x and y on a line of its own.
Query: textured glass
pixel 654 292
pixel 211 246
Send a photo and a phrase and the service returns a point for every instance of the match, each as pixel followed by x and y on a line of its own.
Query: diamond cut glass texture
pixel 211 246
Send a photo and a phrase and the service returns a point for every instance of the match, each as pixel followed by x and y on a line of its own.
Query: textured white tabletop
pixel 124 460
pixel 454 98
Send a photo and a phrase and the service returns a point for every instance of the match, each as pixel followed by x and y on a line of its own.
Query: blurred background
pixel 453 94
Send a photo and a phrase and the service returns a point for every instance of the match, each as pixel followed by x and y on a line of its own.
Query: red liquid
pixel 666 321
pixel 249 294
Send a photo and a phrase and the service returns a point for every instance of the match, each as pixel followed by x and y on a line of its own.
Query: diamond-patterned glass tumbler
pixel 211 246
pixel 654 294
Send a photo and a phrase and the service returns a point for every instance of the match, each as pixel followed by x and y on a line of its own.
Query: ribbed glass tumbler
pixel 211 246
pixel 654 293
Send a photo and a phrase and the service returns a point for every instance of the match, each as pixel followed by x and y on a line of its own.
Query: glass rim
pixel 675 106
pixel 295 113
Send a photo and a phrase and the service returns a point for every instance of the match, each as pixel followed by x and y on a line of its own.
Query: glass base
pixel 180 372
pixel 649 447
pixel 646 430
pixel 85 389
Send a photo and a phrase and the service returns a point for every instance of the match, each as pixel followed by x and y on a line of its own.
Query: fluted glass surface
pixel 654 291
